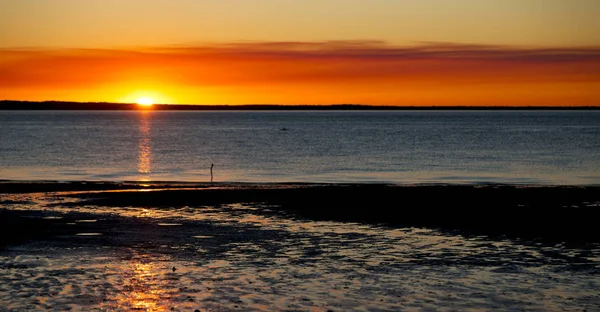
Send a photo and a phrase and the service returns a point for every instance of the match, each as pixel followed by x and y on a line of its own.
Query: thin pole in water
pixel 211 170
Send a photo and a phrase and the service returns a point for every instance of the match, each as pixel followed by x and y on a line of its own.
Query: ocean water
pixel 403 147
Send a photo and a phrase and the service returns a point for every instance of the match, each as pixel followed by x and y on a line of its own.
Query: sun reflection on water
pixel 143 289
pixel 144 147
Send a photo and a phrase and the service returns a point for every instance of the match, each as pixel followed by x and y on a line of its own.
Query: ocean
pixel 400 147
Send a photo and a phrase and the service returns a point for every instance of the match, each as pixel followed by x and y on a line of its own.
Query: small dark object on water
pixel 211 174
pixel 284 129
pixel 174 269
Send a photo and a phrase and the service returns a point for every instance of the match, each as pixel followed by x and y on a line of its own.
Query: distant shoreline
pixel 87 106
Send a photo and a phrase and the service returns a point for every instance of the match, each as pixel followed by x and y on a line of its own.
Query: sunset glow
pixel 309 73
pixel 315 155
pixel 145 101
pixel 411 52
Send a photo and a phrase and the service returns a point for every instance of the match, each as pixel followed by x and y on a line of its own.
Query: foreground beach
pixel 298 247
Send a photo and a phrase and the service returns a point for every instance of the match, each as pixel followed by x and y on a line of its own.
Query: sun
pixel 145 101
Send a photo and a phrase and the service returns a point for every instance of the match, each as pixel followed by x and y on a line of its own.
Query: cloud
pixel 366 65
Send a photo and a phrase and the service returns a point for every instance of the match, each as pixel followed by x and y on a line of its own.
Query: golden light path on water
pixel 144 147
pixel 143 288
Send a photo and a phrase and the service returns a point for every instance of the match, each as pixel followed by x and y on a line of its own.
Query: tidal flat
pixel 298 247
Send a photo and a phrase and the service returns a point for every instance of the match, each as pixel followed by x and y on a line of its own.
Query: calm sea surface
pixel 537 147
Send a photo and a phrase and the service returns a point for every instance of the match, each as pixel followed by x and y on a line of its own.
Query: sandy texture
pixel 69 253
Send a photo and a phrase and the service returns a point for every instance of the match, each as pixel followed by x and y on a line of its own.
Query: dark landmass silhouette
pixel 60 105
pixel 546 213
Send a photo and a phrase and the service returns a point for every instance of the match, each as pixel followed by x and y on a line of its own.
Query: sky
pixel 382 52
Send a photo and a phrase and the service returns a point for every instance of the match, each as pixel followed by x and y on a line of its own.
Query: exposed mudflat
pixel 81 251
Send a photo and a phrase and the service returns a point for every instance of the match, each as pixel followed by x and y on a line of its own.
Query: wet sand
pixel 534 212
pixel 298 247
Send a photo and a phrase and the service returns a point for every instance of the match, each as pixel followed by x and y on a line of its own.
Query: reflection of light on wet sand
pixel 145 213
pixel 235 257
pixel 143 288
pixel 145 151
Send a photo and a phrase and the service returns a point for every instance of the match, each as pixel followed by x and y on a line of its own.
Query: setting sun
pixel 145 101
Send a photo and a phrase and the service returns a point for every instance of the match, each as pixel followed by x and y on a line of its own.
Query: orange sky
pixel 308 73
pixel 425 52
